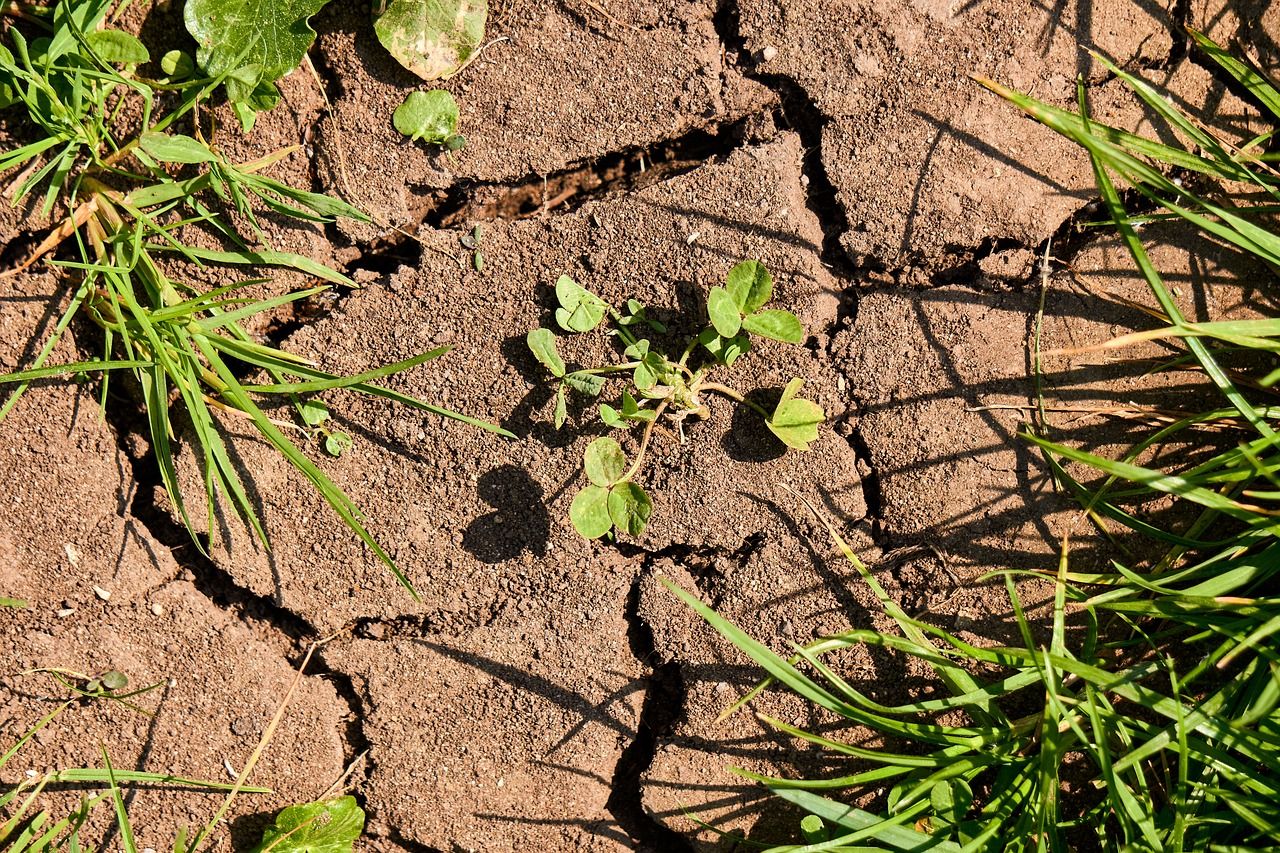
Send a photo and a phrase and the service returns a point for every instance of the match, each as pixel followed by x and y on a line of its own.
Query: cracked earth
pixel 548 693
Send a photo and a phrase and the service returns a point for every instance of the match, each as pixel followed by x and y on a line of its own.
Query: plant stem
pixel 726 391
pixel 644 441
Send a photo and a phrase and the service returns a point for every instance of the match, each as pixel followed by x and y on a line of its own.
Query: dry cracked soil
pixel 547 693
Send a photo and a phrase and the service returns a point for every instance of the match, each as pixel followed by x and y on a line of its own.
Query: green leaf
pixel 795 421
pixel 117 46
pixel 589 512
pixel 725 350
pixel 271 36
pixel 585 383
pixel 776 325
pixel 175 148
pixel 611 418
pixel 177 64
pixel 604 461
pixel 432 38
pixel 15 603
pixel 429 116
pixel 337 443
pixel 644 376
pixel 314 412
pixel 542 343
pixel 562 408
pixel 329 826
pixel 629 508
pixel 724 313
pixel 750 285
pixel 114 680
pixel 580 309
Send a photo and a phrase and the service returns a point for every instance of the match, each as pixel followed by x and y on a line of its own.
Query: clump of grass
pixel 126 190
pixel 1162 718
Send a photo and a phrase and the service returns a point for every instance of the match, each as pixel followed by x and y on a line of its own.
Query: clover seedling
pixel 664 387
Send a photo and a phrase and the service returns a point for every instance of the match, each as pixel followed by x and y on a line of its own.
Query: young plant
pixel 128 191
pixel 664 386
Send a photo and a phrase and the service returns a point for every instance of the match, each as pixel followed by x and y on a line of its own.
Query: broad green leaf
pixel 175 148
pixel 604 461
pixel 429 116
pixel 177 64
pixel 562 408
pixel 611 418
pixel 750 285
pixel 725 350
pixel 314 412
pixel 629 508
pixel 117 46
pixel 15 603
pixel 330 826
pixel 795 421
pixel 776 325
pixel 580 310
pixel 589 512
pixel 432 38
pixel 542 343
pixel 272 35
pixel 724 313
pixel 337 443
pixel 585 383
pixel 644 376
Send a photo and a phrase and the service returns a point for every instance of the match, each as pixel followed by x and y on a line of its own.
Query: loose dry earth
pixel 548 693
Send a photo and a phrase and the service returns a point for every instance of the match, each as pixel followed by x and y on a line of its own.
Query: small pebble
pixel 157 609
pixel 769 53
pixel 104 594
pixel 64 612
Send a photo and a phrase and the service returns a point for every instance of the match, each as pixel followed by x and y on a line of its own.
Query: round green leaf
pixel 177 64
pixel 314 412
pixel 629 508
pixel 589 512
pixel 605 462
pixel 337 443
pixel 432 38
pixel 750 285
pixel 429 116
pixel 114 680
pixel 775 325
pixel 580 310
pixel 724 313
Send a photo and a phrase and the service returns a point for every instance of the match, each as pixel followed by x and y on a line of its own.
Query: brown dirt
pixel 548 693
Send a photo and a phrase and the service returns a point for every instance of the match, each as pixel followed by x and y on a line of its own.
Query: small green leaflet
pixel 795 421
pixel 330 826
pixel 585 383
pixel 175 148
pixel 432 38
pixel 776 325
pixel 629 508
pixel 117 46
pixel 724 313
pixel 750 285
pixel 604 462
pixel 725 350
pixel 609 501
pixel 428 116
pixel 589 512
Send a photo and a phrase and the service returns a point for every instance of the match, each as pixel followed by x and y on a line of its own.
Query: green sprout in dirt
pixel 663 386
pixel 1155 723
pixel 126 189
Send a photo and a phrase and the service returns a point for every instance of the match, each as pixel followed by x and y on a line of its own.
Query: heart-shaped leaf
pixel 750 285
pixel 795 421
pixel 629 508
pixel 542 343
pixel 330 826
pixel 724 313
pixel 776 325
pixel 589 512
pixel 429 116
pixel 432 38
pixel 580 309
pixel 605 462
